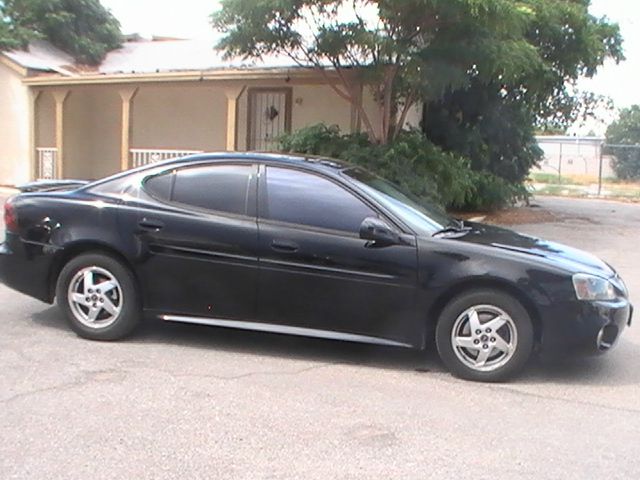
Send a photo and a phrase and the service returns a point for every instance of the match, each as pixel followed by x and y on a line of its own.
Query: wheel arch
pixel 485 283
pixel 79 248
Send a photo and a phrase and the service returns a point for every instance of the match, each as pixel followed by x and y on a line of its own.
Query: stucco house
pixel 150 100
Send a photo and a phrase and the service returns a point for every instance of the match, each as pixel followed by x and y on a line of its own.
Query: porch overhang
pixel 298 74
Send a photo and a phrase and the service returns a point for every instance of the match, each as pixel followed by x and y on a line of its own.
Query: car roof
pixel 310 161
pixel 327 165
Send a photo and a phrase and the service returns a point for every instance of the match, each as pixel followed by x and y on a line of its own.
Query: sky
pixel 190 19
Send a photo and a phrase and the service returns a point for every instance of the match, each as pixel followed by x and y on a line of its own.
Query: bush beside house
pixel 413 162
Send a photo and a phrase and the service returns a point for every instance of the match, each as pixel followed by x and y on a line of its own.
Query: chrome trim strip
pixel 324 269
pixel 285 329
pixel 176 250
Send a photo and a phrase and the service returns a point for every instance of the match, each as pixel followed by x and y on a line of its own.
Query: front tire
pixel 99 297
pixel 484 335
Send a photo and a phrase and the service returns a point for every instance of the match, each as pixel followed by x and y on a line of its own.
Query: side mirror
pixel 378 232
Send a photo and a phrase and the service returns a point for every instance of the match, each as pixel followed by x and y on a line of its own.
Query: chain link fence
pixel 587 166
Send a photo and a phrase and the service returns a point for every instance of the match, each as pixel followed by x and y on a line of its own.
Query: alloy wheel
pixel 484 337
pixel 95 297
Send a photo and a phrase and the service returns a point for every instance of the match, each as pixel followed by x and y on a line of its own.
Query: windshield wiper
pixel 456 226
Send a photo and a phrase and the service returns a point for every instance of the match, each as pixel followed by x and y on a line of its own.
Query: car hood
pixel 565 257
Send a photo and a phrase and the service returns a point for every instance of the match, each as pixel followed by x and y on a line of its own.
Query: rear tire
pixel 484 335
pixel 99 297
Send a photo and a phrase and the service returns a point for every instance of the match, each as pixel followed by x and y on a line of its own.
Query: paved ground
pixel 184 401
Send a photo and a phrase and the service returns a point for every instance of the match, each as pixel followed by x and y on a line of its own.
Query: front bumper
pixel 591 327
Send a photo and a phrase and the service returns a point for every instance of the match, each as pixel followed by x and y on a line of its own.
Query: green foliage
pixel 412 162
pixel 82 28
pixel 488 70
pixel 623 140
pixel 573 43
pixel 484 124
pixel 406 50
pixel 490 121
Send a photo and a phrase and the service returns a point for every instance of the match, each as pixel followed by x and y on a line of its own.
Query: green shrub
pixel 413 162
pixel 626 161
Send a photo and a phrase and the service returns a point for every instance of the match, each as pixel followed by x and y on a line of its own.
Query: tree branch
pixel 409 102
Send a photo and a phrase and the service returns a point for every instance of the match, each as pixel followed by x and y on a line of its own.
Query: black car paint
pixel 242 267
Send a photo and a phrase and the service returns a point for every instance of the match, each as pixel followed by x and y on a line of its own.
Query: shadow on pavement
pixel 611 369
pixel 615 368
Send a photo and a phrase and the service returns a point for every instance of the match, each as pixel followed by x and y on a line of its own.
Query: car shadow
pixel 610 370
pixel 51 317
pixel 285 346
pixel 615 368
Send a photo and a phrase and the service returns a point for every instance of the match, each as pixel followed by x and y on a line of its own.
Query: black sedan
pixel 303 246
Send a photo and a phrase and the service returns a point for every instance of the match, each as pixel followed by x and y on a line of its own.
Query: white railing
pixel 47 158
pixel 144 156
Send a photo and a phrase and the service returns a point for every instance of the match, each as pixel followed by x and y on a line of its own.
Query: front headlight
pixel 590 287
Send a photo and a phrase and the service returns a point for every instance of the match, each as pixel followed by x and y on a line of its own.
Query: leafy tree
pixel 414 50
pixel 623 139
pixel 488 126
pixel 492 122
pixel 82 28
pixel 405 50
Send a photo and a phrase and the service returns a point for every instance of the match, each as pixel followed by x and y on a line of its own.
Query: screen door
pixel 269 117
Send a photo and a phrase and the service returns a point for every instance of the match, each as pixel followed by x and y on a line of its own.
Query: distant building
pixel 573 156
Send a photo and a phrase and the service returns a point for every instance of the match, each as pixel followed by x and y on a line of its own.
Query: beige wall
pixel 319 103
pixel 45 118
pixel 15 159
pixel 91 129
pixel 92 132
pixel 311 104
pixel 179 116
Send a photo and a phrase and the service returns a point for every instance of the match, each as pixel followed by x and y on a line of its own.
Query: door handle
pixel 284 246
pixel 151 224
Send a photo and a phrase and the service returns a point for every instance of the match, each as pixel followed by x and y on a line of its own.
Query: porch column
pixel 356 121
pixel 33 135
pixel 126 94
pixel 59 97
pixel 233 94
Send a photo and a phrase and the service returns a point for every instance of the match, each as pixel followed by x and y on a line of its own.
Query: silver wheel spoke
pixel 495 324
pixel 93 313
pixel 466 342
pixel 106 286
pixel 483 356
pixel 79 298
pixel 88 281
pixel 110 307
pixel 474 321
pixel 501 344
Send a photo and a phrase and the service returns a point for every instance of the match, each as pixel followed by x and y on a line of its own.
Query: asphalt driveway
pixel 180 401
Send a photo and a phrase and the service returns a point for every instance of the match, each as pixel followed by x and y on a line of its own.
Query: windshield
pixel 424 217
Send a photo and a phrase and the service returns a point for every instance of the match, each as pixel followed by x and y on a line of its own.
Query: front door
pixel 316 272
pixel 269 117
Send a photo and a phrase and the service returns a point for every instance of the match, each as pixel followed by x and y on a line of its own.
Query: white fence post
pixel 47 158
pixel 145 156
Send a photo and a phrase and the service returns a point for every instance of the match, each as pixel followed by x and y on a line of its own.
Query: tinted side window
pixel 307 199
pixel 223 188
pixel 160 186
